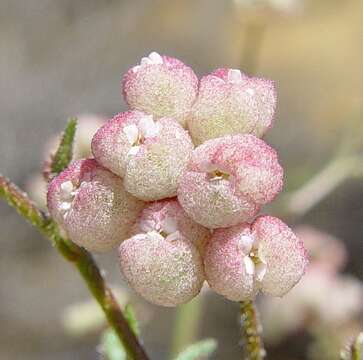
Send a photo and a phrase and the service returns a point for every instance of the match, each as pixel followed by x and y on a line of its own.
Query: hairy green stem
pixel 251 332
pixel 83 261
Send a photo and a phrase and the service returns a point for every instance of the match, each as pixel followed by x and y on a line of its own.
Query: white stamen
pixel 261 269
pixel 132 133
pixel 216 178
pixel 154 235
pixel 169 225
pixel 174 236
pixel 148 127
pixel 250 91
pixel 249 265
pixel 65 206
pixel 147 225
pixel 67 190
pixel 136 68
pixel 246 243
pixel 133 151
pixel 155 58
pixel 145 61
pixel 67 186
pixel 234 76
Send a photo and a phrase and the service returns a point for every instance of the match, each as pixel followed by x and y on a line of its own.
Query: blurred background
pixel 65 58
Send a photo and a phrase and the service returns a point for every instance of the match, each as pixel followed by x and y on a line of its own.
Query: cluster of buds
pixel 176 182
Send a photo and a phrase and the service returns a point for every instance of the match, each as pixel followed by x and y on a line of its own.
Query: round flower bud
pixel 229 103
pixel 168 218
pixel 91 205
pixel 149 155
pixel 267 256
pixel 228 179
pixel 161 86
pixel 162 262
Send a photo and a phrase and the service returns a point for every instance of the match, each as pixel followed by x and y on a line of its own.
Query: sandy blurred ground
pixel 63 58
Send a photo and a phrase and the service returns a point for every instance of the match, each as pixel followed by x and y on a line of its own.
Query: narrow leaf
pixel 357 348
pixel 130 316
pixel 111 346
pixel 198 351
pixel 64 153
pixel 21 202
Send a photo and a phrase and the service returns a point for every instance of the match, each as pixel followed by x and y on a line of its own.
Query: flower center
pixel 137 134
pixel 167 228
pixel 253 262
pixel 218 175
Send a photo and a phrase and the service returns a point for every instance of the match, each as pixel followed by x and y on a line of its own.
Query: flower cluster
pixel 176 182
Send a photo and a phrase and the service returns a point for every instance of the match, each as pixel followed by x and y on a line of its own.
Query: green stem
pixel 186 326
pixel 83 261
pixel 251 332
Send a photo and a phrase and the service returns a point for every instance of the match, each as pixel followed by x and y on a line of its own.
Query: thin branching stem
pixel 83 261
pixel 251 332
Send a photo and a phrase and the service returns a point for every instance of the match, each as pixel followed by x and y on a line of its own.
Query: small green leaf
pixel 354 350
pixel 357 348
pixel 198 351
pixel 130 316
pixel 111 346
pixel 64 153
pixel 21 202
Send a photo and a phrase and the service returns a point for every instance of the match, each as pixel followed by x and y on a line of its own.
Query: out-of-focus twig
pixel 186 324
pixel 253 38
pixel 299 202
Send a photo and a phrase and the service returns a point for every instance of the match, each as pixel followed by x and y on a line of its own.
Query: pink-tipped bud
pixel 162 262
pixel 228 179
pixel 161 86
pixel 169 218
pixel 91 205
pixel 267 256
pixel 229 103
pixel 149 155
